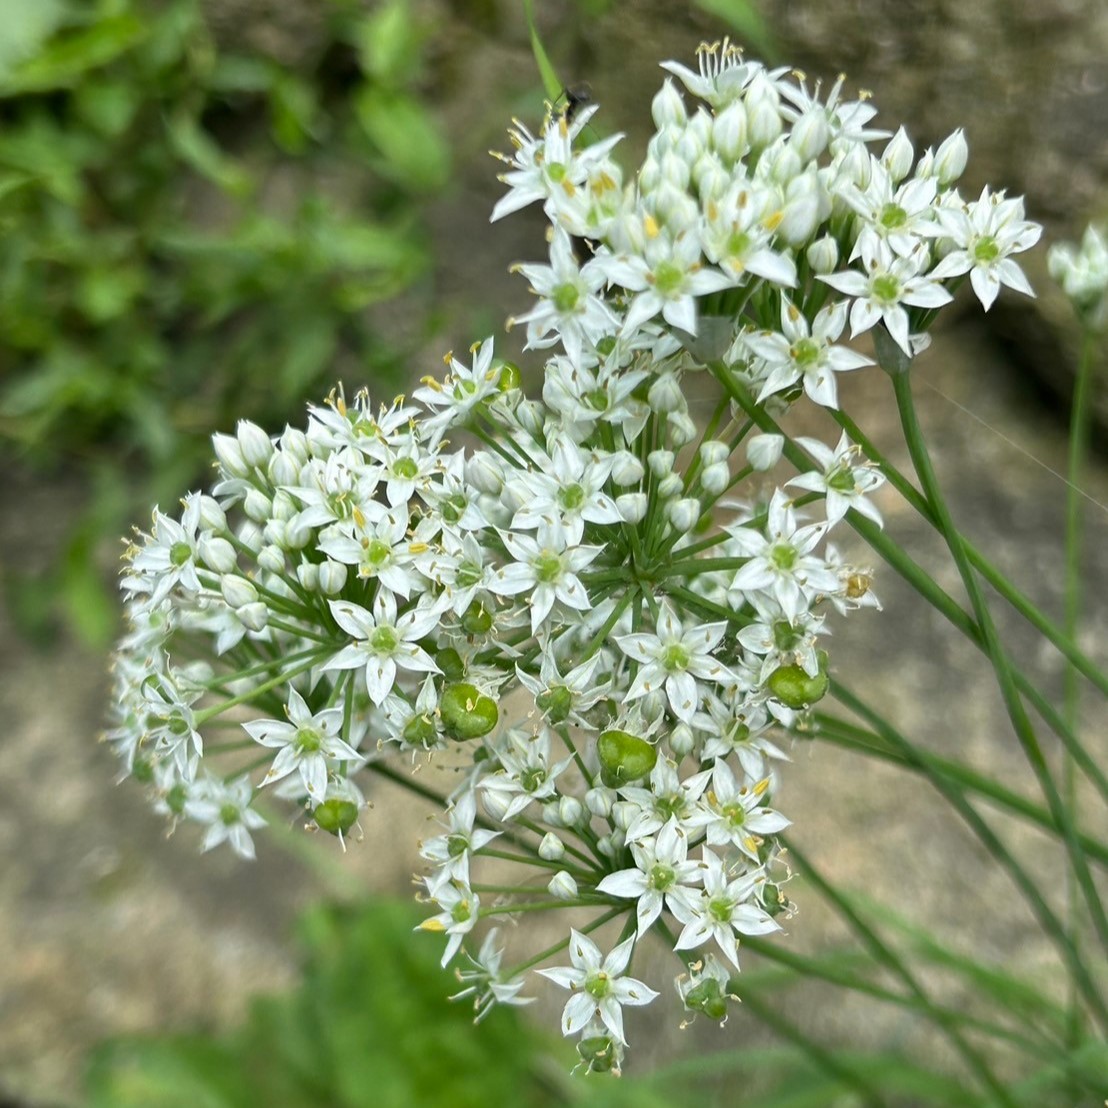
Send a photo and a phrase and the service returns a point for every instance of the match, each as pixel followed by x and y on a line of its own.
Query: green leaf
pixel 26 24
pixel 71 55
pixel 196 148
pixel 411 150
pixel 746 22
pixel 389 45
pixel 550 80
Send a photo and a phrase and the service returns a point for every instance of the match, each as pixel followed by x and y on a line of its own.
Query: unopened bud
pixel 764 451
pixel 667 108
pixel 684 513
pixel 898 156
pixel 253 617
pixel 562 886
pixel 552 849
pixel 255 444
pixel 332 578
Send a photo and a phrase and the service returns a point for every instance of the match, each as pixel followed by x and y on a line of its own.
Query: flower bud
pixel 484 473
pixel 660 462
pixel 297 533
pixel 283 469
pixel 624 813
pixel 570 811
pixel 684 513
pixel 715 478
pixel 650 176
pixel 763 113
pixel 682 741
pixel 562 886
pixel 764 451
pixel 682 428
pixel 667 108
pixel 729 133
pixel 599 801
pixel 795 688
pixel 810 134
pixel 294 444
pixel 495 804
pixel 253 617
pixel 467 713
pixel 257 505
pixel 255 444
pixel 250 535
pixel 217 554
pixel 229 453
pixel 624 757
pixel 823 255
pixel 212 516
pixel 710 176
pixel 674 207
pixel 332 578
pixel 665 393
pixel 307 573
pixel 898 156
pixel 237 591
pixel 626 468
pixel 632 506
pixel 713 451
pixel 272 558
pixel 670 485
pixel 801 214
pixel 275 532
pixel 676 173
pixel 530 416
pixel 950 159
pixel 552 849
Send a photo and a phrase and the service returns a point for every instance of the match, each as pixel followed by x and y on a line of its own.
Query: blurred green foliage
pixel 191 234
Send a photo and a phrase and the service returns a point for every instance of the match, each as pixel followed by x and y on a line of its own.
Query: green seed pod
pixel 624 758
pixel 466 713
pixel 599 1053
pixel 450 662
pixel 556 703
pixel 510 377
pixel 335 816
pixel 477 619
pixel 795 688
pixel 707 997
pixel 420 731
pixel 175 799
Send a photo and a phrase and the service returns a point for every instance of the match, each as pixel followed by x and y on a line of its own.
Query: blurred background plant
pixel 190 234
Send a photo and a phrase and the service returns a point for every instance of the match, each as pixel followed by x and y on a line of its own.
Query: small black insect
pixel 576 97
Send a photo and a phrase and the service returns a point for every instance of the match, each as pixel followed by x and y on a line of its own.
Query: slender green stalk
pixel 1062 640
pixel 1047 919
pixel 851 737
pixel 888 957
pixel 1017 713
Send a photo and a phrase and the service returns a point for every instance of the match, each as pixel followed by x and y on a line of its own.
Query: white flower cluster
pixel 1082 271
pixel 365 589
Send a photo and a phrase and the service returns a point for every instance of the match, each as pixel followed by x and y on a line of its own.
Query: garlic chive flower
pixel 606 621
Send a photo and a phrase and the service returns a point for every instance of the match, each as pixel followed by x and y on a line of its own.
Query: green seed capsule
pixel 335 816
pixel 466 713
pixel 599 1053
pixel 707 997
pixel 450 662
pixel 795 688
pixel 477 619
pixel 510 377
pixel 624 757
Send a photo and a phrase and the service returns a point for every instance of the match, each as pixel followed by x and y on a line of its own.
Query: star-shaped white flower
pixel 599 987
pixel 675 657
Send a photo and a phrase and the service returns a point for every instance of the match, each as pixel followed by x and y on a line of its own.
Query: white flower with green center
pixel 450 853
pixel 890 282
pixel 568 488
pixel 486 983
pixel 726 906
pixel 668 798
pixel 304 744
pixel 526 773
pixel 984 235
pixel 384 643
pixel 899 216
pixel 568 302
pixel 667 277
pixel 599 988
pixel 738 817
pixel 225 808
pixel 674 657
pixel 843 481
pixel 781 559
pixel 461 908
pixel 463 389
pixel 738 236
pixel 722 73
pixel 661 874
pixel 799 352
pixel 377 545
pixel 168 557
pixel 547 568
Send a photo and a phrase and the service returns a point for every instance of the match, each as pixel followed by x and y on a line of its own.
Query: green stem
pixel 884 954
pixel 1017 713
pixel 1049 922
pixel 1060 639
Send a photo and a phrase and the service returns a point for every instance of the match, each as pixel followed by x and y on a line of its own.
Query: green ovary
pixel 985 250
pixel 377 552
pixel 662 877
pixel 548 567
pixel 384 640
pixel 565 297
pixel 598 985
pixel 841 481
pixel 308 740
pixel 805 353
pixel 720 908
pixel 668 278
pixel 886 289
pixel 571 497
pixel 735 814
pixel 892 217
pixel 229 814
pixel 405 468
pixel 784 556
pixel 180 553
pixel 675 657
